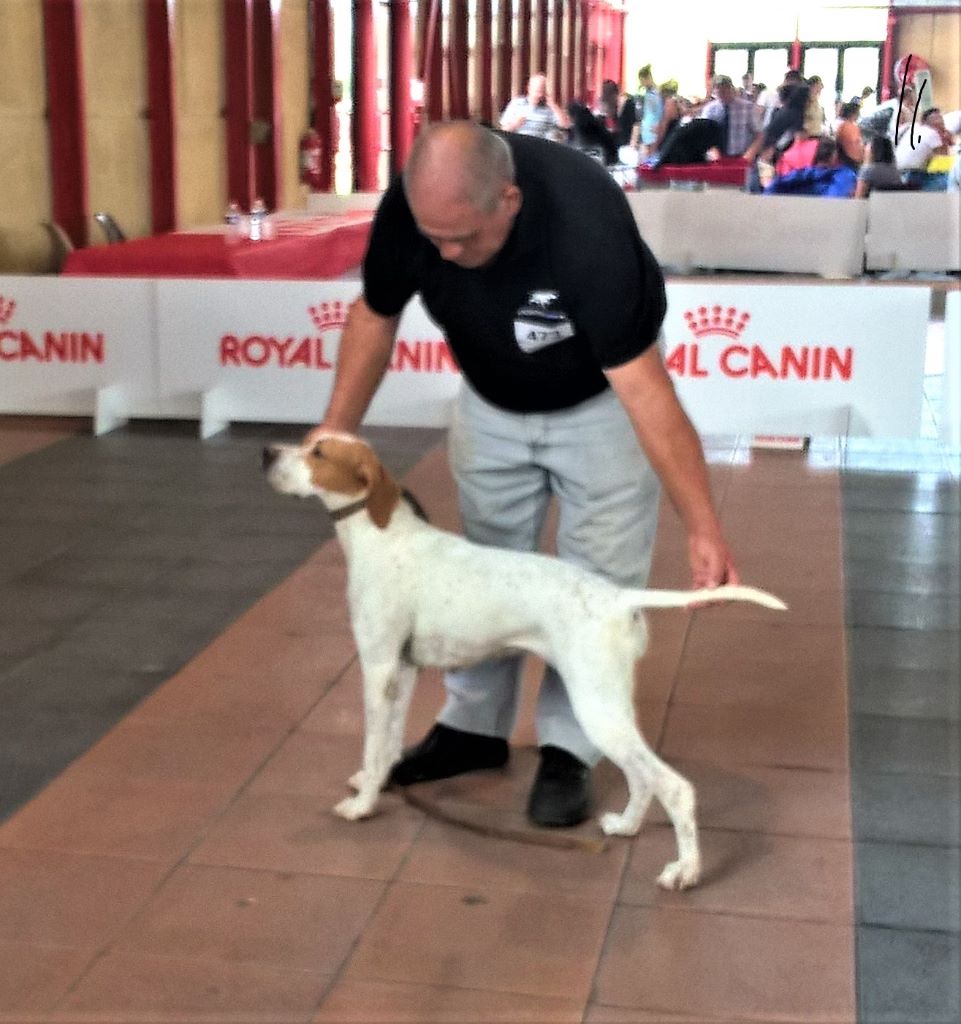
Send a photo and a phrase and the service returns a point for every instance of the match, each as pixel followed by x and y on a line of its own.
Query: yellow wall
pixel 936 38
pixel 24 157
pixel 200 142
pixel 293 85
pixel 114 76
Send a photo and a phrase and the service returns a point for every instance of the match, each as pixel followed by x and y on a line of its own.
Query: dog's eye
pixel 317 453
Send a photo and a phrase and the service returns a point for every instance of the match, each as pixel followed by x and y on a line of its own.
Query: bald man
pixel 527 255
pixel 535 113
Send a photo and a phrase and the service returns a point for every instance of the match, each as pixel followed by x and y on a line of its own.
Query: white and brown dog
pixel 420 596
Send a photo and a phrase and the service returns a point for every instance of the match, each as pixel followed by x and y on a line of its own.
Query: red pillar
pixel 505 66
pixel 887 56
pixel 401 63
pixel 159 15
pixel 365 129
pixel 795 58
pixel 709 70
pixel 485 33
pixel 583 48
pixel 557 54
pixel 524 69
pixel 570 36
pixel 540 23
pixel 324 120
pixel 432 63
pixel 457 63
pixel 238 111
pixel 265 101
pixel 65 119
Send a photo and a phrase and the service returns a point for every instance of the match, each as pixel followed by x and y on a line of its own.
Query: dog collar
pixel 348 510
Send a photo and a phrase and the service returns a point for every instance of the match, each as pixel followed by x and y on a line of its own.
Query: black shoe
pixel 561 795
pixel 445 752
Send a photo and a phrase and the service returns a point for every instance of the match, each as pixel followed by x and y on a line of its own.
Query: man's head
pixel 646 77
pixel 723 88
pixel 537 89
pixel 459 183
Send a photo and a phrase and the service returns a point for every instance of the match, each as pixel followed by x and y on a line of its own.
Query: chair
pixel 111 228
pixel 60 245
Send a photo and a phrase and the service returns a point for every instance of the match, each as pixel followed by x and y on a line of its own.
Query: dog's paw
pixel 679 875
pixel 618 825
pixel 354 808
pixel 356 781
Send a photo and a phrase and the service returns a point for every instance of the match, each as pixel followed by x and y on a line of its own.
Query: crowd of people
pixel 789 142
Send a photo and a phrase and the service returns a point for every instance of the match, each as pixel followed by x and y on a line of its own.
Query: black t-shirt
pixel 574 289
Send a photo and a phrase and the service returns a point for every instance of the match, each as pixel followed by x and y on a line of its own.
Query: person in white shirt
pixel 535 113
pixel 916 146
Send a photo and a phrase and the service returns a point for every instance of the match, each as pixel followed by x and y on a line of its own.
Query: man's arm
pixel 674 450
pixel 365 348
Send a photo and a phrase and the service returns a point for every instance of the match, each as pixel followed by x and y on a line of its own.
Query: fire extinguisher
pixel 311 150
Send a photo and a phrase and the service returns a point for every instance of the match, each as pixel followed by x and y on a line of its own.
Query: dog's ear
pixel 383 492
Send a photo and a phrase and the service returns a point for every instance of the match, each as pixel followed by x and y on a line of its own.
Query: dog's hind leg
pixel 608 720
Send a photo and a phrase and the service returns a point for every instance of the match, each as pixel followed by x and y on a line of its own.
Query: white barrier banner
pixel 63 340
pixel 267 350
pixel 798 359
pixel 951 387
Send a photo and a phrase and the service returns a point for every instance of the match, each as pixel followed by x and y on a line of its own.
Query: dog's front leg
pixel 381 693
pixel 406 678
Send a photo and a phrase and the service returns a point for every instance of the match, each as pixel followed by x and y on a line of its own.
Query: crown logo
pixel 328 315
pixel 726 321
pixel 7 307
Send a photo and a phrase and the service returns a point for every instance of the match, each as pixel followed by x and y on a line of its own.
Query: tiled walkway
pixel 179 708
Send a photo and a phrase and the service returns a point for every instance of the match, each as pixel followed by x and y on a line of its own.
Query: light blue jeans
pixel 507 466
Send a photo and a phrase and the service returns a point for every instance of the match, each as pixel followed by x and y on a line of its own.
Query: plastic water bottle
pixel 234 219
pixel 258 220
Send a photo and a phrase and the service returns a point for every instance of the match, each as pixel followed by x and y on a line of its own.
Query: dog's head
pixel 340 469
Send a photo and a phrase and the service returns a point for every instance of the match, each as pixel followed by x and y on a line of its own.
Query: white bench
pixel 736 231
pixel 913 231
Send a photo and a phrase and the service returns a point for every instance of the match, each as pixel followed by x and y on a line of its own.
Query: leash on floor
pixel 541 837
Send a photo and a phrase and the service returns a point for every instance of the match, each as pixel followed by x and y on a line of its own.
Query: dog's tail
pixel 641 599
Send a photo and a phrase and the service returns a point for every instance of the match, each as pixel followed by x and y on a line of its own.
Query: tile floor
pixel 179 708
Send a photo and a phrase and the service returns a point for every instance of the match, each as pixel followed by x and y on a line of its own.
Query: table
pixel 306 248
pixel 728 170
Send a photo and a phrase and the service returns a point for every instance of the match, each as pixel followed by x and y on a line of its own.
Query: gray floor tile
pixel 906 808
pixel 904 648
pixel 901 491
pixel 881 574
pixel 904 692
pixel 903 611
pixel 908 977
pixel 903 885
pixel 920 745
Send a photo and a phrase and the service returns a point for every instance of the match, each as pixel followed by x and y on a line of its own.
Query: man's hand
pixel 711 562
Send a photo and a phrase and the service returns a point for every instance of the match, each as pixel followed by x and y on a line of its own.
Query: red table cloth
pixel 305 248
pixel 729 170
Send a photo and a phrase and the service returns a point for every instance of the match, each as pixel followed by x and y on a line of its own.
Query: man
pixel 917 145
pixel 528 256
pixel 736 115
pixel 535 113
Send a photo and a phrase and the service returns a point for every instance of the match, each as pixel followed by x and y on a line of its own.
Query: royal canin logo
pixel 22 346
pixel 317 351
pixel 717 320
pixel 699 358
pixel 328 316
